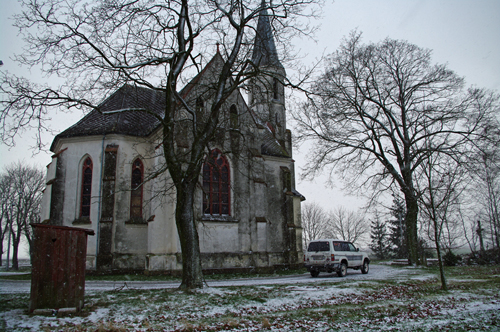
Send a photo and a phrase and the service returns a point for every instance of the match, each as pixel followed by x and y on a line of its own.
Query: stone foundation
pixel 212 263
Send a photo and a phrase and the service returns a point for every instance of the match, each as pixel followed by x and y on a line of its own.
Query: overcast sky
pixel 465 34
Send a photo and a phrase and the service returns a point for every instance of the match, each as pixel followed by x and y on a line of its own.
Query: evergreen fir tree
pixel 379 236
pixel 397 229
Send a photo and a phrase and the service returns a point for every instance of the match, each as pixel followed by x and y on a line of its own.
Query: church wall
pixel 261 236
pixel 258 199
pixel 46 198
pixel 57 191
pixel 74 150
pixel 162 231
pixel 260 210
pixel 297 221
pixel 163 241
pixel 130 236
pixel 126 239
pixel 216 237
pixel 252 236
pixel 274 200
pixel 241 208
pixel 220 234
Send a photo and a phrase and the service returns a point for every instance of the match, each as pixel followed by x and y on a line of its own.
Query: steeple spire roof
pixel 264 50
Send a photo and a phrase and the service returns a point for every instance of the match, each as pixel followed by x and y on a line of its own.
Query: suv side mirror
pixel 357 249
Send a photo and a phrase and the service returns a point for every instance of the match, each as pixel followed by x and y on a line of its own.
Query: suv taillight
pixel 333 257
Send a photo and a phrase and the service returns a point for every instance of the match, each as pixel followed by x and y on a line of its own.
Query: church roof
pixel 124 112
pixel 128 111
pixel 131 111
pixel 270 145
pixel 264 50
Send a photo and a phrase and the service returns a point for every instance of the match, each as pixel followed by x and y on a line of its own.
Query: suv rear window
pixel 319 246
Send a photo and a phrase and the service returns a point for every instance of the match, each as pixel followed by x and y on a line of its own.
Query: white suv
pixel 331 255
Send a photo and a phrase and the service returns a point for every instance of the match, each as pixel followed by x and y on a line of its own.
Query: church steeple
pixel 264 49
pixel 267 92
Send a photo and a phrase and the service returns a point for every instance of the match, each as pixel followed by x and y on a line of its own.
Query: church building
pixel 105 176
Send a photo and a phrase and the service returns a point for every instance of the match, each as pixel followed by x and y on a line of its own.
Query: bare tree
pixel 486 171
pixel 24 186
pixel 347 225
pixel 482 197
pixel 95 47
pixel 380 110
pixel 314 222
pixel 442 182
pixel 5 215
pixel 469 231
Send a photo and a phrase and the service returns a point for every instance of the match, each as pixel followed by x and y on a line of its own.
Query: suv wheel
pixel 342 270
pixel 314 273
pixel 366 267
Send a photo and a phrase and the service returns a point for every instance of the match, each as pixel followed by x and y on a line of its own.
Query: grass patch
pixel 14 301
pixel 472 303
pixel 24 276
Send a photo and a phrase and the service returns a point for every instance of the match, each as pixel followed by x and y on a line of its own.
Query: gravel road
pixel 377 272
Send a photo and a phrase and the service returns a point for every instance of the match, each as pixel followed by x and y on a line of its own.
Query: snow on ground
pixel 295 303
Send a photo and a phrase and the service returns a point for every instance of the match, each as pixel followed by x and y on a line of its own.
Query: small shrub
pixel 491 256
pixel 450 259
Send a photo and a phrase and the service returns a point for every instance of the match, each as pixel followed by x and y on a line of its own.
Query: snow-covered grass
pixel 407 300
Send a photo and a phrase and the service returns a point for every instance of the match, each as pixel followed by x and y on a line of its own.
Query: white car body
pixel 333 255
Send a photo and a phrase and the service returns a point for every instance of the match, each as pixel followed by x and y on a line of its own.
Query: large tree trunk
pixel 481 242
pixel 411 227
pixel 411 214
pixel 192 276
pixel 15 252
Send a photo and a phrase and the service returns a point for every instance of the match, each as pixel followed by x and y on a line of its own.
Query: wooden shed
pixel 58 267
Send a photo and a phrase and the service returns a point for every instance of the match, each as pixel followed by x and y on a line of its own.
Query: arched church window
pixel 199 105
pixel 216 182
pixel 286 178
pixel 275 88
pixel 233 117
pixel 136 189
pixel 200 110
pixel 86 193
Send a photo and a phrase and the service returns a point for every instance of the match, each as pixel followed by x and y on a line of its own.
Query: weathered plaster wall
pixel 46 198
